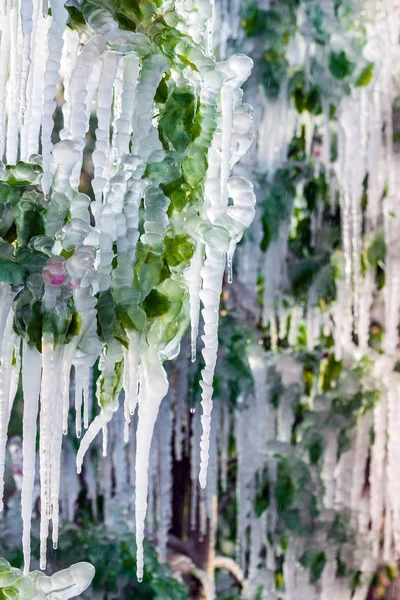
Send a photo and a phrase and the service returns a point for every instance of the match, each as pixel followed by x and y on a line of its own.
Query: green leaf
pixel 33 261
pixel 365 76
pixel 340 66
pixel 22 174
pixel 285 489
pixel 162 92
pixel 12 273
pixel 254 21
pixel 315 562
pixel 155 305
pixel 175 126
pixel 330 372
pixel 178 249
pixel 376 252
pixel 261 499
pixel 316 449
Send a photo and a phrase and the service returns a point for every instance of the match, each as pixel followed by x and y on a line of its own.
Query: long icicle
pixel 153 388
pixel 31 378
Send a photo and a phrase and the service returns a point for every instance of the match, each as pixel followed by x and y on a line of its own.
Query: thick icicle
pixel 153 388
pixel 13 97
pixel 228 223
pixel 5 41
pixel 31 377
pixel 33 119
pixel 164 437
pixel 194 282
pixel 51 77
pixel 49 447
pixel 6 357
pixel 100 156
pixel 212 274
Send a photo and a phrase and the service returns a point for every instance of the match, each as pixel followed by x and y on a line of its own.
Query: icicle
pixel 68 62
pixel 114 160
pixel 80 95
pixel 153 388
pixel 27 29
pixel 127 415
pixel 194 282
pixel 79 378
pixel 15 373
pixel 13 99
pixel 55 458
pixel 212 274
pixel 124 122
pixel 224 445
pixel 95 427
pixel 65 391
pixel 59 15
pixel 104 431
pixel 5 42
pixel 152 499
pixel 229 260
pixel 132 458
pixel 132 368
pixel 212 477
pixel 119 455
pixel 194 466
pixel 86 397
pixel 6 357
pixel 51 365
pixel 164 436
pixel 30 133
pixel 104 102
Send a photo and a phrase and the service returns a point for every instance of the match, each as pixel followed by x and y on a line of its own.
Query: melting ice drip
pixel 89 259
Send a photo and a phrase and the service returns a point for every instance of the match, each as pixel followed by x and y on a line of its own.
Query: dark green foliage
pixel 316 449
pixel 302 274
pixel 315 562
pixel 155 304
pixel 275 27
pixel 376 253
pixel 340 66
pixel 285 488
pixel 114 557
pixel 330 372
pixel 278 203
pixel 305 95
pixel 178 249
pixel 261 499
pixel 233 367
pixel 175 126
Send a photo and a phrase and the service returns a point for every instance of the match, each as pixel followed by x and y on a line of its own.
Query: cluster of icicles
pixel 37 51
pixel 367 145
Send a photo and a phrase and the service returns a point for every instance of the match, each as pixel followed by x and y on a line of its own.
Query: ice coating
pixel 118 278
pixel 227 224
